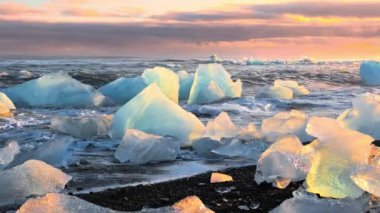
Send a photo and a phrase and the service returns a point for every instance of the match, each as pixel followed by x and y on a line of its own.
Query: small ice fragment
pixel 368 179
pixel 220 177
pixel 215 58
pixel 31 178
pixel 138 147
pixel 185 81
pixel 221 127
pixel 6 102
pixel 293 85
pixel 213 83
pixel 123 89
pixel 191 204
pixel 370 73
pixel 152 112
pixel 8 153
pixel 166 80
pixel 60 203
pixel 279 92
pixel 82 127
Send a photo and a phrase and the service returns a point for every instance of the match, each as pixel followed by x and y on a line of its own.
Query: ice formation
pixel 212 83
pixel 215 58
pixel 282 163
pixel 217 177
pixel 293 85
pixel 370 73
pixel 54 152
pixel 285 123
pixel 368 179
pixel 8 153
pixel 165 79
pixel 279 92
pixel 123 89
pixel 185 81
pixel 364 116
pixel 138 147
pixel 60 203
pixel 82 127
pixel 54 90
pixel 6 105
pixel 31 178
pixel 191 204
pixel 303 202
pixel 251 62
pixel 337 153
pixel 152 112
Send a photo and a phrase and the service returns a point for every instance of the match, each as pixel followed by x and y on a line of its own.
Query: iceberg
pixel 30 179
pixel 54 90
pixel 251 62
pixel 217 177
pixel 212 83
pixel 368 179
pixel 139 148
pixel 152 112
pixel 185 82
pixel 8 153
pixel 123 89
pixel 302 202
pixel 285 123
pixel 364 115
pixel 60 203
pixel 82 127
pixel 165 79
pixel 293 85
pixel 282 163
pixel 337 153
pixel 370 73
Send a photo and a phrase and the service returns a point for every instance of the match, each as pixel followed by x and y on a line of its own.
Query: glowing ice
pixel 31 178
pixel 60 203
pixel 8 153
pixel 191 204
pixel 185 81
pixel 138 147
pixel 82 127
pixel 285 123
pixel 293 85
pixel 221 127
pixel 370 73
pixel 152 112
pixel 279 92
pixel 165 79
pixel 220 177
pixel 337 153
pixel 364 116
pixel 213 83
pixel 368 179
pixel 282 163
pixel 6 105
pixel 54 90
pixel 123 89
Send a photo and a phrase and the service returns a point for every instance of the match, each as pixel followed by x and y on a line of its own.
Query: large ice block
pixel 31 178
pixel 54 90
pixel 370 73
pixel 8 153
pixel 60 203
pixel 185 82
pixel 364 115
pixel 138 147
pixel 213 83
pixel 152 112
pixel 123 89
pixel 285 123
pixel 337 153
pixel 165 79
pixel 82 127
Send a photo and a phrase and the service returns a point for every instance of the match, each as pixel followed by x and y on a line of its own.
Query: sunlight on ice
pixel 138 147
pixel 338 152
pixel 152 112
pixel 6 106
pixel 8 153
pixel 31 178
pixel 212 83
pixel 368 179
pixel 293 85
pixel 217 177
pixel 191 204
pixel 279 92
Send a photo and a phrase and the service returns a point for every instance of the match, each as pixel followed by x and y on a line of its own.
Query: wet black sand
pixel 241 195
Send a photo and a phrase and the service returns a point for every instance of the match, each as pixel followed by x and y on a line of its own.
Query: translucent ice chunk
pixel 370 73
pixel 368 179
pixel 364 116
pixel 221 127
pixel 282 162
pixel 285 123
pixel 8 153
pixel 337 153
pixel 123 89
pixel 165 79
pixel 152 112
pixel 60 203
pixel 293 85
pixel 213 83
pixel 31 178
pixel 6 102
pixel 217 177
pixel 279 92
pixel 191 204
pixel 138 148
pixel 54 90
pixel 82 127
pixel 185 82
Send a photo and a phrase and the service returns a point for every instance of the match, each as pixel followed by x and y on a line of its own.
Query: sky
pixel 262 29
